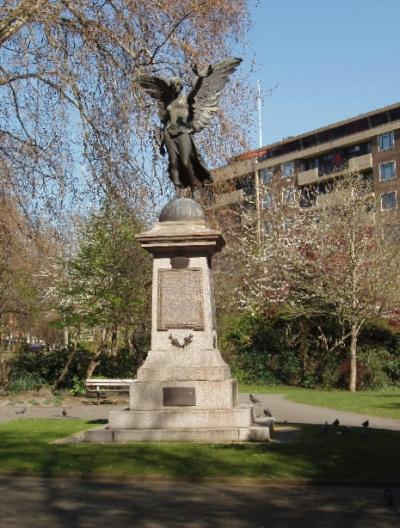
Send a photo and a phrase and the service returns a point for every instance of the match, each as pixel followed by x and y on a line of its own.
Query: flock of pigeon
pixel 24 409
pixel 344 430
pixel 388 495
pixel 324 428
pixel 255 400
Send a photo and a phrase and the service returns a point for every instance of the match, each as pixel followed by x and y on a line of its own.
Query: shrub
pixel 24 381
pixel 78 387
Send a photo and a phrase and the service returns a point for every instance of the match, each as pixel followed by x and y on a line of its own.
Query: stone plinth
pixel 184 389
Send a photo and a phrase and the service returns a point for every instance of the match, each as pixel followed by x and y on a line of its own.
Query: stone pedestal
pixel 184 390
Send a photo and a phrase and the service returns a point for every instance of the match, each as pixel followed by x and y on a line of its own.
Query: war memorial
pixel 184 390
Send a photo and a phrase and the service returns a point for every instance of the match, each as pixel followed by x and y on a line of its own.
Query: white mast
pixel 259 114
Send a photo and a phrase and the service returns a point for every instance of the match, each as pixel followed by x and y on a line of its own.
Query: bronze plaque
pixel 180 299
pixel 179 396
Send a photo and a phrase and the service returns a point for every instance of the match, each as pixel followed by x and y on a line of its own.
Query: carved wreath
pixel 186 341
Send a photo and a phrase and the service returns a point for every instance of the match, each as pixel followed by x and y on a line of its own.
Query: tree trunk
pixel 93 364
pixel 114 336
pixel 65 370
pixel 353 357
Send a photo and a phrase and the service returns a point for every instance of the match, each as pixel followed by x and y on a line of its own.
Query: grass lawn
pixel 25 448
pixel 384 403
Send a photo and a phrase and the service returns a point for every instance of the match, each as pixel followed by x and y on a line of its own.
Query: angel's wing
pixel 203 99
pixel 159 90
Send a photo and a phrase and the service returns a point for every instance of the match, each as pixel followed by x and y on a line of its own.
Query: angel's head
pixel 176 85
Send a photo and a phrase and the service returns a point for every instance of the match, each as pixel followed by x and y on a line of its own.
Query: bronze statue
pixel 182 115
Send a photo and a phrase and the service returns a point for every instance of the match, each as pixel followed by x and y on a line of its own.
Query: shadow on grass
pixel 74 503
pixel 313 456
pixel 99 421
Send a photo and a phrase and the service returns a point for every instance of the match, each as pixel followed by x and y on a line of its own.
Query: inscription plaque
pixel 179 396
pixel 180 299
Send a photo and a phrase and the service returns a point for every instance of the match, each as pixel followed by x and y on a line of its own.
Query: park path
pixel 40 502
pixel 282 410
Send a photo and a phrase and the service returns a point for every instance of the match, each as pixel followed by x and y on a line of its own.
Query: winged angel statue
pixel 182 115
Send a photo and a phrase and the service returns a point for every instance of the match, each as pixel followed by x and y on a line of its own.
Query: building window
pixel 387 171
pixel 389 200
pixel 386 141
pixel 287 169
pixel 265 176
pixel 267 200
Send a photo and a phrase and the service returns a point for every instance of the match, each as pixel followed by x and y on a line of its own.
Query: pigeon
pixel 366 423
pixel 21 411
pixel 389 497
pixel 336 422
pixel 267 413
pixel 253 399
pixel 64 413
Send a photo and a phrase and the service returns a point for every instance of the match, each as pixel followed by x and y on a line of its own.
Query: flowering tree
pixel 336 259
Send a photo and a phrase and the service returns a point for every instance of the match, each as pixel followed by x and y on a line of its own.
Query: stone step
pixel 182 418
pixel 208 435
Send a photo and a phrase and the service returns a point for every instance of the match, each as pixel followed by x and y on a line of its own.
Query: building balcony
pixel 360 163
pixel 229 198
pixel 330 199
pixel 307 177
pixel 355 164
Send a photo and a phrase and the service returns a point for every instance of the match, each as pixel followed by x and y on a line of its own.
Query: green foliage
pixel 47 364
pixel 32 369
pixel 249 343
pixel 380 367
pixel 108 281
pixel 285 349
pixel 123 365
pixel 78 387
pixel 24 381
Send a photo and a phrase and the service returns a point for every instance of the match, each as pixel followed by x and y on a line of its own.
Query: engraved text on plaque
pixel 180 299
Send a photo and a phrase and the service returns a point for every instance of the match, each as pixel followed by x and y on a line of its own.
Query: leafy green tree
pixel 107 286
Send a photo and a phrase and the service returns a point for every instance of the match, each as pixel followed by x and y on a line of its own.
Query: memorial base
pixel 184 390
pixel 256 433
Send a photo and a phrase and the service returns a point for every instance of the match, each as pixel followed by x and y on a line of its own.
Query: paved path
pixel 285 410
pixel 282 410
pixel 67 503
pixel 87 412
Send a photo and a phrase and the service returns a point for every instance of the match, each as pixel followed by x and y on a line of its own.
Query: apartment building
pixel 368 144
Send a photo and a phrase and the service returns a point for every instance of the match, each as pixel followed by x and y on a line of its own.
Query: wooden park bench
pixel 102 385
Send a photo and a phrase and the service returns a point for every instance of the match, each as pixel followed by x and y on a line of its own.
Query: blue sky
pixel 333 59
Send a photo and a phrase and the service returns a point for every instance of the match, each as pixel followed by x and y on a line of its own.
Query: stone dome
pixel 181 209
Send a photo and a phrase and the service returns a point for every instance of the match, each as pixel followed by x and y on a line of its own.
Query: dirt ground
pixel 44 397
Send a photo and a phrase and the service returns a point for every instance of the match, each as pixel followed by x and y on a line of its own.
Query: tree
pixel 73 117
pixel 106 290
pixel 336 261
